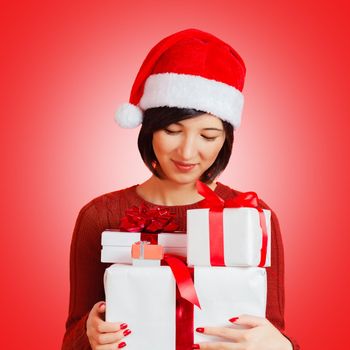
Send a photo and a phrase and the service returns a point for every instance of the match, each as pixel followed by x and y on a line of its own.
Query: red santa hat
pixel 188 69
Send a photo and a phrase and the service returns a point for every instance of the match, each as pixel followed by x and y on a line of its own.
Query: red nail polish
pixel 121 345
pixel 123 326
pixel 127 332
pixel 233 319
pixel 200 330
pixel 195 346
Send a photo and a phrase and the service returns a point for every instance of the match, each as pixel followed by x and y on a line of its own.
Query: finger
pixel 219 346
pixel 108 327
pixel 114 346
pixel 108 338
pixel 101 308
pixel 250 321
pixel 236 335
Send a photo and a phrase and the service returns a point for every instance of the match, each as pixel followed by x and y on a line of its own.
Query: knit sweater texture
pixel 86 270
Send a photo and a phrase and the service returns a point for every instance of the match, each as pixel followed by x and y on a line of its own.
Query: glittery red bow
pixel 144 219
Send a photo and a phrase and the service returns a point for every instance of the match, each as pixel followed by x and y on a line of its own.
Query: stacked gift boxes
pixel 143 295
pixel 228 244
pixel 228 249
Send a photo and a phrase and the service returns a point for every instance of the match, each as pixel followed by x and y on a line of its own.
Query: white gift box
pixel 144 298
pixel 242 237
pixel 226 292
pixel 116 245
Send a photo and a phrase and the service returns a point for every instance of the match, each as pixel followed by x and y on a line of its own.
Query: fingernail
pixel 123 326
pixel 127 332
pixel 200 330
pixel 121 345
pixel 195 346
pixel 233 319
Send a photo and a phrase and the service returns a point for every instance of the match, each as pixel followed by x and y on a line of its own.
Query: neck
pixel 165 192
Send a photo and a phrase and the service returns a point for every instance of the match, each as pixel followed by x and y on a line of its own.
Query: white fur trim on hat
pixel 193 91
pixel 128 115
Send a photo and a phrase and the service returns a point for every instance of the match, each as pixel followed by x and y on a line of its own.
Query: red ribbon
pixel 216 206
pixel 180 271
pixel 183 279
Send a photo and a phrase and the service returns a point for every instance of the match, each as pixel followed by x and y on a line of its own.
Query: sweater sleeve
pixel 86 277
pixel 275 280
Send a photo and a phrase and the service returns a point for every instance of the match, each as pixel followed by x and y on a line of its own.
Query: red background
pixel 67 65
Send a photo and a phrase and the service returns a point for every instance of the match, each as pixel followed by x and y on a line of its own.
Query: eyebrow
pixel 216 129
pixel 213 129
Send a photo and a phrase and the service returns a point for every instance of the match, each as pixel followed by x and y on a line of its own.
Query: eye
pixel 209 138
pixel 170 132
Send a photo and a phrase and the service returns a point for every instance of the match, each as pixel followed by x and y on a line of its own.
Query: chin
pixel 184 180
pixel 179 178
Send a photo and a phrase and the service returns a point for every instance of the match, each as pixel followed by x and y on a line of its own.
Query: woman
pixel 188 97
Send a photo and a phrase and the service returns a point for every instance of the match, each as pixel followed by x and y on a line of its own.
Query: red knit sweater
pixel 86 270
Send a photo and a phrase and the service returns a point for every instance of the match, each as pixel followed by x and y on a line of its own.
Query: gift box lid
pixel 114 237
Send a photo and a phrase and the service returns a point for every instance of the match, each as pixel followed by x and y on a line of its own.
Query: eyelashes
pixel 209 138
pixel 171 132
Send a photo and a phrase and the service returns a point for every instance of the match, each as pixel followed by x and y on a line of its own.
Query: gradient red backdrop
pixel 67 65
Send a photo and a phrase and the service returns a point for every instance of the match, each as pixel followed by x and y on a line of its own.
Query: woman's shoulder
pixel 227 192
pixel 107 201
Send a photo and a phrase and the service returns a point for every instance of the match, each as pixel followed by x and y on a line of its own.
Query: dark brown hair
pixel 158 118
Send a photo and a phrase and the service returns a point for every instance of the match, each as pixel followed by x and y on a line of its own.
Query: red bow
pixel 144 219
pixel 216 206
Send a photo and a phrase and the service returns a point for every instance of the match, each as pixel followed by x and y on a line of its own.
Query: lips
pixel 184 166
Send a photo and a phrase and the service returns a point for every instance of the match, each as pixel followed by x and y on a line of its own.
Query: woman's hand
pixel 261 334
pixel 104 335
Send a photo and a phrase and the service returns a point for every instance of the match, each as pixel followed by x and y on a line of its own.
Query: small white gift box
pixel 226 292
pixel 116 245
pixel 241 240
pixel 144 298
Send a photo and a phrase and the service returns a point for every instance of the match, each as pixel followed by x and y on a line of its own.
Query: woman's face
pixel 186 149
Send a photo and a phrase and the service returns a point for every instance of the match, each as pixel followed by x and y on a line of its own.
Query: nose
pixel 187 149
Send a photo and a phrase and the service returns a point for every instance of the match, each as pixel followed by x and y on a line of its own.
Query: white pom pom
pixel 128 116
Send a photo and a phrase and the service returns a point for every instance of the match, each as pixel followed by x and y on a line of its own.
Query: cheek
pixel 212 152
pixel 161 146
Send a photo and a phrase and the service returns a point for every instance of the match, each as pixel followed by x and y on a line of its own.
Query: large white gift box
pixel 242 237
pixel 116 245
pixel 144 298
pixel 226 292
